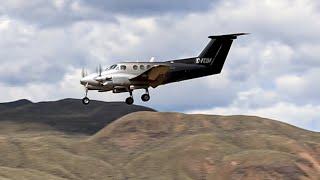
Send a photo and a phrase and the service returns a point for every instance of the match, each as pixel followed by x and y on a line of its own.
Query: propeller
pixel 100 70
pixel 83 73
pixel 99 77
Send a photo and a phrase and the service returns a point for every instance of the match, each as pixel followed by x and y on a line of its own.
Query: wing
pixel 154 76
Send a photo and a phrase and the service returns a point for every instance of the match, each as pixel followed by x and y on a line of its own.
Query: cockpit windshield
pixel 112 67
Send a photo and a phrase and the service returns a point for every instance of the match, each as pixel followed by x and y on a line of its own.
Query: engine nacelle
pixel 119 90
pixel 120 81
pixel 108 85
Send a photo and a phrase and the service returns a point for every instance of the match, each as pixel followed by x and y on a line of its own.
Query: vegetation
pixel 149 145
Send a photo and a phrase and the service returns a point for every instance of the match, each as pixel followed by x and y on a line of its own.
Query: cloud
pixel 268 104
pixel 51 12
pixel 300 88
pixel 41 55
pixel 145 7
pixel 305 116
pixel 277 66
pixel 64 12
pixel 45 54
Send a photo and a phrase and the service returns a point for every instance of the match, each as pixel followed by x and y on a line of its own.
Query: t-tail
pixel 215 53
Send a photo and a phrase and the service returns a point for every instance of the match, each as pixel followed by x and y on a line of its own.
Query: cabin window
pixel 112 67
pixel 142 67
pixel 148 66
pixel 123 67
pixel 135 67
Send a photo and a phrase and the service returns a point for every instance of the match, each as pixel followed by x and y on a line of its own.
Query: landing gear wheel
pixel 129 100
pixel 145 97
pixel 85 101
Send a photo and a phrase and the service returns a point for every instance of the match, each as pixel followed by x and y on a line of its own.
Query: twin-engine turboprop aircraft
pixel 129 76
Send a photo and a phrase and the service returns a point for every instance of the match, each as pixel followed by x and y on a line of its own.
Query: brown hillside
pixel 182 146
pixel 152 145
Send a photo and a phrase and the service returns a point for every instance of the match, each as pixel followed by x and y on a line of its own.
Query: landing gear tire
pixel 145 97
pixel 85 101
pixel 129 100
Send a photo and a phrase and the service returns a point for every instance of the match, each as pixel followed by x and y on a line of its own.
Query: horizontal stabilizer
pixel 228 36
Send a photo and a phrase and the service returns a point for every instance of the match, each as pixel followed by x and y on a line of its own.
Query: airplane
pixel 125 77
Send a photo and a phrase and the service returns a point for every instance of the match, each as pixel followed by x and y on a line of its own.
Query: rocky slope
pixel 154 145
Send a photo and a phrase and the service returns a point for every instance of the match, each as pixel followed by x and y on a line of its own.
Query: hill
pixel 67 115
pixel 154 145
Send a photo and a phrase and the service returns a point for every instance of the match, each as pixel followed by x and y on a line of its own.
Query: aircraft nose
pixel 83 81
pixel 88 80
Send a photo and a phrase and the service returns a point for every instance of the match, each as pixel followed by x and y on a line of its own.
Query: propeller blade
pixel 100 69
pixel 82 73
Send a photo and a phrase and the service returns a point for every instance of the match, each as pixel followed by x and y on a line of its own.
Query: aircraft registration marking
pixel 204 60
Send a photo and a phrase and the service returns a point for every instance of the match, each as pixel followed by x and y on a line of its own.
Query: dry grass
pixel 151 145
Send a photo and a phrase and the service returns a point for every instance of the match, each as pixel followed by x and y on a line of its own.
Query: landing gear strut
pixel 86 100
pixel 130 100
pixel 145 97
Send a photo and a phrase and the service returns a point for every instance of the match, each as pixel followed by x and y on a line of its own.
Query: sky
pixel 274 72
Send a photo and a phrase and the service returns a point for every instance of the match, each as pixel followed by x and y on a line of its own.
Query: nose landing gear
pixel 86 100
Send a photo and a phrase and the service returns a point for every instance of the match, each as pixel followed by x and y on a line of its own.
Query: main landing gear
pixel 145 97
pixel 86 100
pixel 130 100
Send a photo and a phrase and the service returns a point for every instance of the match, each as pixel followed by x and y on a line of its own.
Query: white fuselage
pixel 117 75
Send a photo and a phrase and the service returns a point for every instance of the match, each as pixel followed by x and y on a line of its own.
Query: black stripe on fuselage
pixel 185 70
